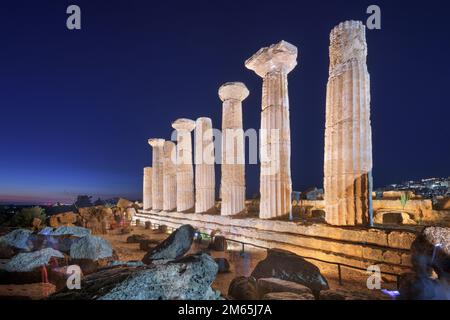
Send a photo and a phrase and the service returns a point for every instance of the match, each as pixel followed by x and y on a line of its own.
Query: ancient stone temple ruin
pixel 348 134
pixel 233 149
pixel 147 189
pixel 347 168
pixel 169 177
pixel 273 65
pixel 185 169
pixel 157 173
pixel 205 180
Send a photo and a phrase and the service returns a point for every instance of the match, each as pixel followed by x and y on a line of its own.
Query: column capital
pixel 183 125
pixel 347 43
pixel 155 142
pixel 279 57
pixel 233 90
pixel 147 170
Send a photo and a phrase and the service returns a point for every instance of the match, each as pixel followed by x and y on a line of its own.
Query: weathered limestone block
pixel 147 189
pixel 205 180
pixel 170 177
pixel 185 169
pixel 157 173
pixel 233 148
pixel 273 64
pixel 63 219
pixel 348 133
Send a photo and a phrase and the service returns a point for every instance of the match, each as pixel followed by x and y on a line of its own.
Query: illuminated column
pixel 348 133
pixel 170 177
pixel 273 65
pixel 147 189
pixel 205 180
pixel 185 170
pixel 157 173
pixel 233 148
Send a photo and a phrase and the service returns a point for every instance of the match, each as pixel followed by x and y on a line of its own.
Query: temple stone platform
pixel 352 246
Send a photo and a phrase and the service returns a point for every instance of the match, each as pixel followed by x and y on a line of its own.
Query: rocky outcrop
pixel 285 265
pixel 96 218
pixel 174 247
pixel 243 288
pixel 189 278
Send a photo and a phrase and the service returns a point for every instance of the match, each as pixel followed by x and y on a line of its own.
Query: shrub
pixel 25 217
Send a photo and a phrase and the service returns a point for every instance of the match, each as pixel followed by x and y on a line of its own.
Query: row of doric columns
pixel 348 144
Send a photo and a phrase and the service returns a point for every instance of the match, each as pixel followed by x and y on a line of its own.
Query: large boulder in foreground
pixel 91 253
pixel 28 261
pixel 431 251
pixel 27 267
pixel 188 278
pixel 18 239
pixel 288 266
pixel 174 247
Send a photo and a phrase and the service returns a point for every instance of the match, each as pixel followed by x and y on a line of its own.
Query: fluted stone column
pixel 185 170
pixel 157 173
pixel 170 177
pixel 147 189
pixel 233 148
pixel 205 180
pixel 273 64
pixel 348 134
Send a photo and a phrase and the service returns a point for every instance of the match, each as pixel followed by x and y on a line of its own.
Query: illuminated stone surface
pixel 205 180
pixel 147 188
pixel 273 64
pixel 184 167
pixel 157 173
pixel 170 177
pixel 348 134
pixel 233 148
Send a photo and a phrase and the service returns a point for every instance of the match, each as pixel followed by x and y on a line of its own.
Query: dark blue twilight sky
pixel 77 107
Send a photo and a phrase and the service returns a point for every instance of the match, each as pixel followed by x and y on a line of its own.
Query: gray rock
pixel 288 266
pixel 79 232
pixel 174 247
pixel 269 285
pixel 28 261
pixel 18 239
pixel 126 263
pixel 188 278
pixel 92 248
pixel 243 288
pixel 288 296
pixel 342 294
